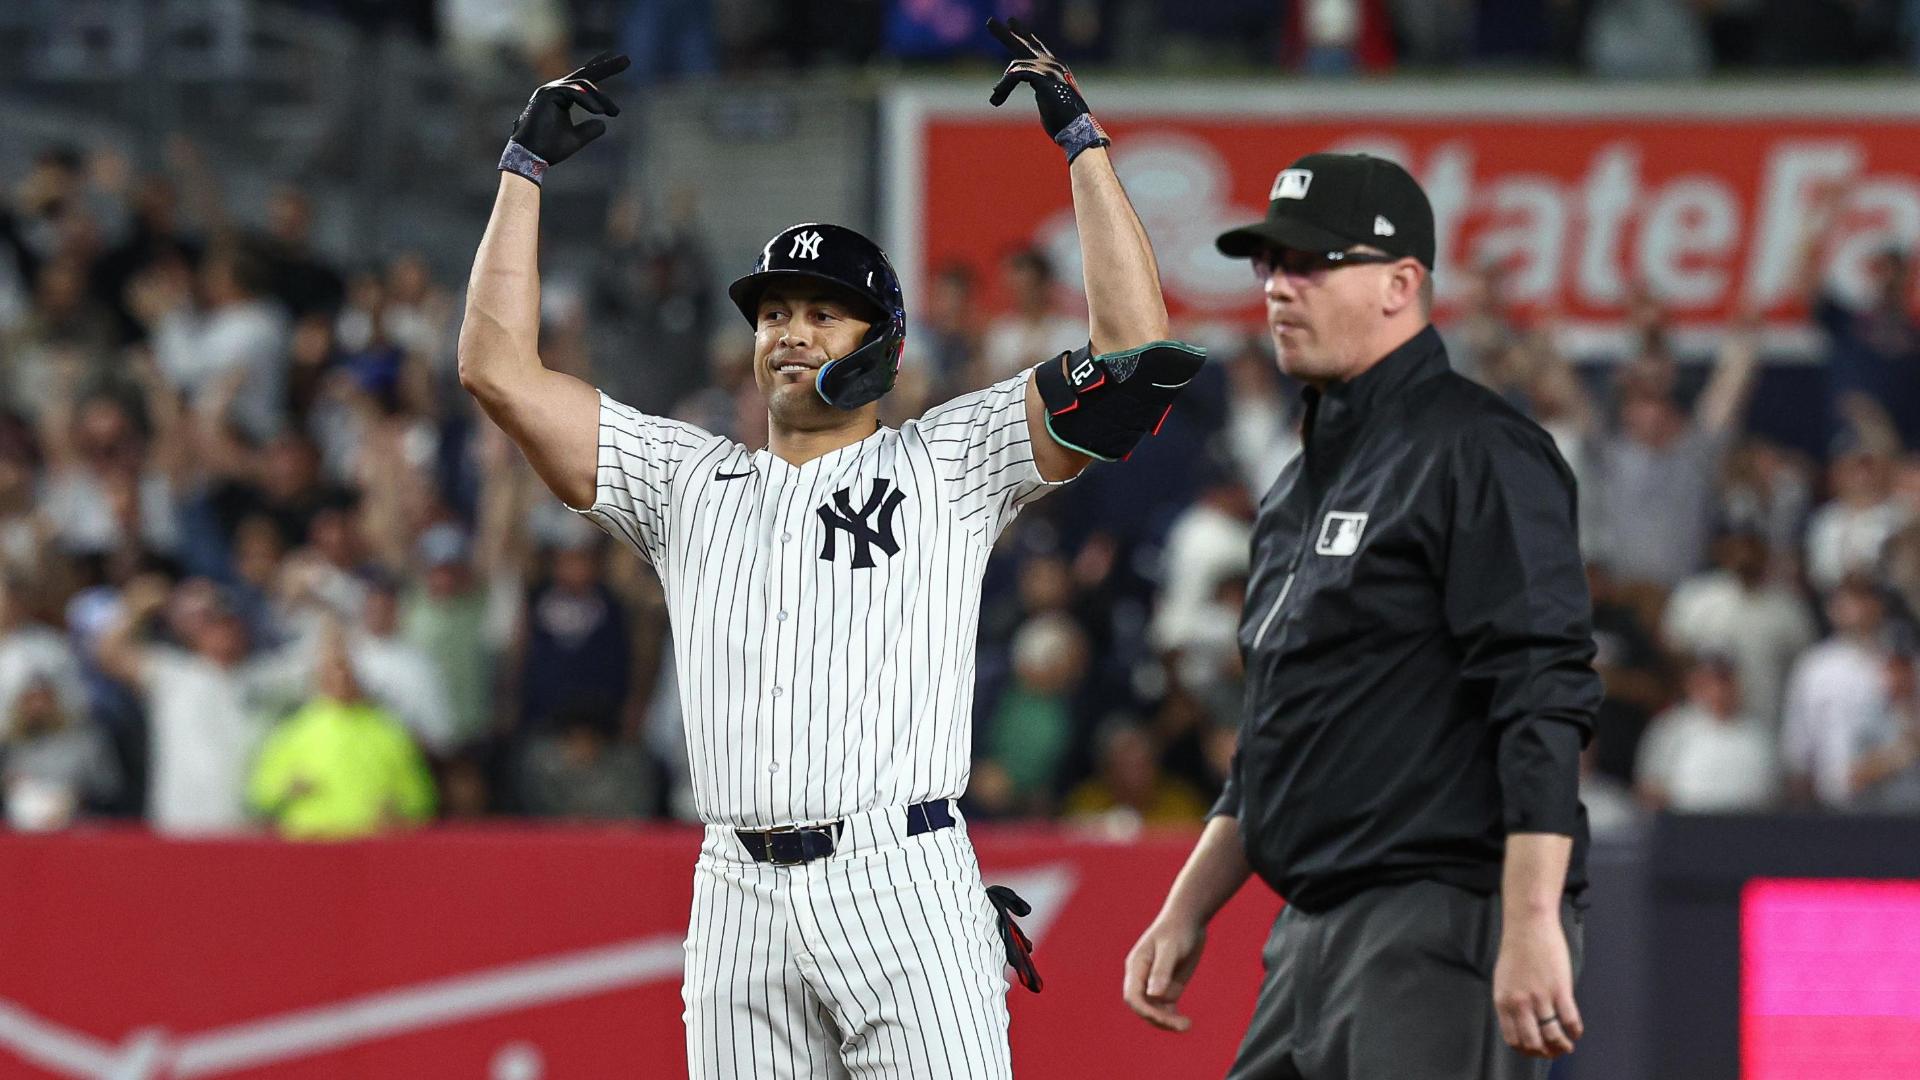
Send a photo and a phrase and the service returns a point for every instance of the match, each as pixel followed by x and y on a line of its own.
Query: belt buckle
pixel 773 858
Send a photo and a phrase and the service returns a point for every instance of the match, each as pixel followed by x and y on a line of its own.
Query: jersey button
pixel 774 768
pixel 777 691
pixel 782 617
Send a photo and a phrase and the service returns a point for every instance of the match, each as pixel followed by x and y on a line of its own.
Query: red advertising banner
pixel 513 954
pixel 1581 195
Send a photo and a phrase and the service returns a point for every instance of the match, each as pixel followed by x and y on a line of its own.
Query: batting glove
pixel 545 134
pixel 1019 947
pixel 1063 112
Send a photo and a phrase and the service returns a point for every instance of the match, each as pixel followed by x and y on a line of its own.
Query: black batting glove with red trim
pixel 545 131
pixel 1007 904
pixel 1063 111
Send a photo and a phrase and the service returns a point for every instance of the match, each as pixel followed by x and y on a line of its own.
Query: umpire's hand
pixel 1158 969
pixel 1533 988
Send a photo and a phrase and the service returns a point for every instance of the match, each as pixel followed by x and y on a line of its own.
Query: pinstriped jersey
pixel 824 614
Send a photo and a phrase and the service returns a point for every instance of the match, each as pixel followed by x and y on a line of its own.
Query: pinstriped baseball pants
pixel 881 960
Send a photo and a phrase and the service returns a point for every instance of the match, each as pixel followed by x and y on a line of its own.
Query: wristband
pixel 521 161
pixel 1082 134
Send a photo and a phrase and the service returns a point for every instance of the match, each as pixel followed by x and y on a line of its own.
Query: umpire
pixel 1419 684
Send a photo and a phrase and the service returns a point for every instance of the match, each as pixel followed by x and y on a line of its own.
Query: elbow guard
pixel 1103 405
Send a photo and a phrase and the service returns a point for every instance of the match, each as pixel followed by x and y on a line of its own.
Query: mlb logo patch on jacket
pixel 1340 533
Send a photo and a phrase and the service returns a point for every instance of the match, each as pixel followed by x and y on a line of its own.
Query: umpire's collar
pixel 1420 358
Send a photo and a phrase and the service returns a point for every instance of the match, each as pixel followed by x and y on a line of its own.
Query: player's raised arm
pixel 553 417
pixel 1097 402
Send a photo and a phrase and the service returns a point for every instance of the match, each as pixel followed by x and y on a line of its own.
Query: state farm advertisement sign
pixel 1704 199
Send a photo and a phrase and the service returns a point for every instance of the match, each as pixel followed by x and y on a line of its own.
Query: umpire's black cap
pixel 1331 202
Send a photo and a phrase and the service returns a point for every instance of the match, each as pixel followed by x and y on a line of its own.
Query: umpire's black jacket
pixel 1418 642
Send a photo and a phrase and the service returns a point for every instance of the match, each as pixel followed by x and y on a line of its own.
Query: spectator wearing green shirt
pixel 340 767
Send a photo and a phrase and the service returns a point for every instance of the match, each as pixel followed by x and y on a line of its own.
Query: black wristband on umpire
pixel 1104 405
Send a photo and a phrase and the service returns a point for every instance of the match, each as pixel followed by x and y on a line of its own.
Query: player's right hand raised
pixel 546 129
pixel 1158 970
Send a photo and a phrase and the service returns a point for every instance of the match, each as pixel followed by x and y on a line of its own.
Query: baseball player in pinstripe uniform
pixel 824 594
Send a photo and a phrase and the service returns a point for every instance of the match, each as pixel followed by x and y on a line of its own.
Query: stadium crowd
pixel 262 563
pixel 1607 38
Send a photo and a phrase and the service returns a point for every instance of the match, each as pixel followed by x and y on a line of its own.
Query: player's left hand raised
pixel 1533 988
pixel 1063 111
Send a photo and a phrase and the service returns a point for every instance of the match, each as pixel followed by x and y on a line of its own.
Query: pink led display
pixel 1830 980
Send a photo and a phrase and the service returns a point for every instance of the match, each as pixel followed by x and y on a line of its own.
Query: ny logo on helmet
pixel 858 526
pixel 806 245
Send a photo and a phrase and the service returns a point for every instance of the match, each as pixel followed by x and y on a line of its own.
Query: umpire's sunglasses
pixel 1297 263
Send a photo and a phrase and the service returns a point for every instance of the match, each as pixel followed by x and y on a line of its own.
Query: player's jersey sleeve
pixel 983 452
pixel 640 456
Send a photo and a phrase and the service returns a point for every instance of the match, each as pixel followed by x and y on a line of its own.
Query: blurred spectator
pixel 397 673
pixel 1647 39
pixel 1873 342
pixel 668 39
pixel 206 705
pixel 1655 477
pixel 1631 670
pixel 110 486
pixel 230 349
pixel 1033 723
pixel 1034 329
pixel 1610 805
pixel 445 617
pixel 1848 533
pixel 1885 773
pixel 479 35
pixel 653 283
pixel 339 766
pixel 55 765
pixel 947 337
pixel 573 648
pixel 1261 433
pixel 303 282
pixel 67 338
pixel 1740 612
pixel 1837 689
pixel 1128 789
pixel 579 769
pixel 1708 756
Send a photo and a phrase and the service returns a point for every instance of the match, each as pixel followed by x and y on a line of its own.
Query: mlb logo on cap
pixel 1291 184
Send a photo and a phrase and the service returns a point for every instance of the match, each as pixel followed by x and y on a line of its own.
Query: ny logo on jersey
pixel 859 525
pixel 806 245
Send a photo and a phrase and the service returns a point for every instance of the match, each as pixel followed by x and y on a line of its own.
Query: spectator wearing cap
pixel 340 766
pixel 573 648
pixel 206 704
pixel 1737 610
pixel 55 765
pixel 1707 755
pixel 1848 534
pixel 445 616
pixel 1035 326
pixel 1837 688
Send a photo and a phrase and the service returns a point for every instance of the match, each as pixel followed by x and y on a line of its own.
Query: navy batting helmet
pixel 852 265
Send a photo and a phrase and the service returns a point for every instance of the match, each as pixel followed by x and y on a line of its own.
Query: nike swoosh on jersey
pixel 731 475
